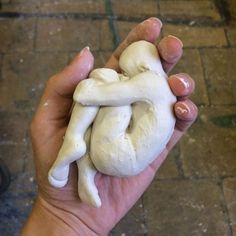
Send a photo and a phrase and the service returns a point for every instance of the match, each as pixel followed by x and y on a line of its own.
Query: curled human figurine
pixel 120 122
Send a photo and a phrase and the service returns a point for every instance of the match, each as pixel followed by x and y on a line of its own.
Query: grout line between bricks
pixel 35 34
pixel 145 233
pixel 227 38
pixel 223 9
pixel 112 26
pixel 108 50
pixel 1 66
pixel 178 161
pixel 199 22
pixel 158 7
pixel 205 77
pixel 225 208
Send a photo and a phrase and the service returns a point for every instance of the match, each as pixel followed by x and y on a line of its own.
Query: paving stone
pixel 184 207
pixel 21 6
pixel 135 8
pixel 132 223
pixel 69 34
pixel 229 186
pixel 73 6
pixel 13 156
pixel 192 36
pixel 28 72
pixel 190 63
pixel 13 128
pixel 17 35
pixel 191 10
pixel 169 167
pixel 219 67
pixel 208 148
pixel 106 37
pixel 16 203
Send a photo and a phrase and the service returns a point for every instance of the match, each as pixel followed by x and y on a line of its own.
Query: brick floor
pixel 193 36
pixel 229 186
pixel 67 34
pixel 193 192
pixel 133 223
pixel 16 35
pixel 29 80
pixel 219 68
pixel 73 6
pixel 185 207
pixel 135 8
pixel 169 169
pixel 208 149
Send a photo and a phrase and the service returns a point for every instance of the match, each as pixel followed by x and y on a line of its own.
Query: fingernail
pixel 182 109
pixel 155 19
pixel 159 22
pixel 83 50
pixel 171 36
pixel 183 81
pixel 88 48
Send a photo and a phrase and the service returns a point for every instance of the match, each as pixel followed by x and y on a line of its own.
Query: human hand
pixel 61 210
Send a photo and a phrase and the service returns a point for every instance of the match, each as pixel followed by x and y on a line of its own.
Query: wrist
pixel 45 219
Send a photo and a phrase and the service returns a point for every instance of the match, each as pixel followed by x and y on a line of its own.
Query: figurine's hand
pixel 60 211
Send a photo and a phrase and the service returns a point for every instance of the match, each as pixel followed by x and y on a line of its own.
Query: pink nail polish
pixel 83 50
pixel 184 82
pixel 182 109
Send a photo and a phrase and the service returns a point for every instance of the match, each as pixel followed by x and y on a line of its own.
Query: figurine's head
pixel 139 57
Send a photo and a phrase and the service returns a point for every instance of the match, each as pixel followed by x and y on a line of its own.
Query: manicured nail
pixel 182 109
pixel 83 50
pixel 183 81
pixel 171 36
pixel 154 19
pixel 158 21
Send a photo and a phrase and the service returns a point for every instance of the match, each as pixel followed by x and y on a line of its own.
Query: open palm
pixel 48 127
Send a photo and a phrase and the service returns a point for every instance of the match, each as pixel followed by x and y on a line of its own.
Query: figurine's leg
pixel 74 146
pixel 87 189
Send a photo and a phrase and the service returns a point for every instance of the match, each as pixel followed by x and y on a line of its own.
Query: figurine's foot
pixel 87 189
pixel 58 177
pixel 88 193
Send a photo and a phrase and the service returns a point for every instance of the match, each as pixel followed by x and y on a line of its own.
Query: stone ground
pixel 194 192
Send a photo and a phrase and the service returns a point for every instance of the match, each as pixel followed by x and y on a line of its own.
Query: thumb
pixel 57 98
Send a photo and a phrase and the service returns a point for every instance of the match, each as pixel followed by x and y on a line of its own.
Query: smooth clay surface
pixel 120 123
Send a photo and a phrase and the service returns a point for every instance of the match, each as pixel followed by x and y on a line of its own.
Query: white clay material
pixel 131 116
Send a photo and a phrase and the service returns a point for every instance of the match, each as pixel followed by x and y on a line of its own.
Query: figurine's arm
pixel 92 93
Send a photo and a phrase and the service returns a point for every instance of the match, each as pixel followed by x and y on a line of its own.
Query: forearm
pixel 45 220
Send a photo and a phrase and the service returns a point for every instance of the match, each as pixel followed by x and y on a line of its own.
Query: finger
pixel 57 98
pixel 148 30
pixel 170 49
pixel 182 84
pixel 186 113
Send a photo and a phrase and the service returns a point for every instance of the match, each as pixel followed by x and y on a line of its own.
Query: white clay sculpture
pixel 120 122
